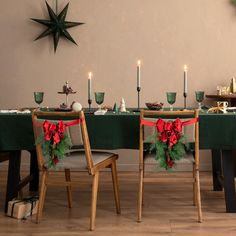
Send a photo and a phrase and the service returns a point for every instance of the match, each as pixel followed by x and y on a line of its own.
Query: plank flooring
pixel 168 210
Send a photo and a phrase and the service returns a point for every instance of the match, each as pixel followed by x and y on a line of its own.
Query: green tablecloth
pixel 115 131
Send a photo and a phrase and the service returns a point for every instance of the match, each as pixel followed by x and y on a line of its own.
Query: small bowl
pixel 154 105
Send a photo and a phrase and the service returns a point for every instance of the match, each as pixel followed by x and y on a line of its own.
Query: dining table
pixel 116 130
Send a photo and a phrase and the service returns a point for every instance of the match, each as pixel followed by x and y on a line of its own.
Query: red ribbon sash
pixel 169 131
pixel 56 131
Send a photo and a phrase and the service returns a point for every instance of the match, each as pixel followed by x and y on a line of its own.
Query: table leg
pixel 34 171
pixel 216 170
pixel 13 178
pixel 229 187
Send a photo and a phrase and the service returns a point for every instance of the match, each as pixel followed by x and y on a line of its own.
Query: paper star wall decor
pixel 57 25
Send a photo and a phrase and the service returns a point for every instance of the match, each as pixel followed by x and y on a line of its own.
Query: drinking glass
pixel 99 98
pixel 171 97
pixel 199 97
pixel 38 98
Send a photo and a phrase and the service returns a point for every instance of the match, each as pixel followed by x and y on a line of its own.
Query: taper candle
pixel 185 79
pixel 89 85
pixel 138 73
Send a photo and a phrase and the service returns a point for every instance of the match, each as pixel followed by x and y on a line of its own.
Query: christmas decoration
pixel 168 140
pixel 57 25
pixel 55 141
pixel 122 105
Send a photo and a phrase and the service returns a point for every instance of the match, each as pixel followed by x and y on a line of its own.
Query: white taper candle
pixel 90 85
pixel 185 79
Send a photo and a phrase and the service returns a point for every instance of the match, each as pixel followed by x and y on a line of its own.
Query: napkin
pixel 100 112
pixel 26 111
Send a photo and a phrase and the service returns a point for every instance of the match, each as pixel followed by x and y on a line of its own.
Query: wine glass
pixel 171 97
pixel 38 98
pixel 99 98
pixel 199 97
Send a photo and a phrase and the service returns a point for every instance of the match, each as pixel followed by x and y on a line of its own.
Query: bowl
pixel 154 105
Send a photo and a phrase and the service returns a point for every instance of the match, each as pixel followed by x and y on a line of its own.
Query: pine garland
pixel 165 153
pixel 54 152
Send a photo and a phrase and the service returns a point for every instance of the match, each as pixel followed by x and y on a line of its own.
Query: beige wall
pixel 164 34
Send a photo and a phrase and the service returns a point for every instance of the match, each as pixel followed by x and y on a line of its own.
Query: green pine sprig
pixel 161 149
pixel 59 150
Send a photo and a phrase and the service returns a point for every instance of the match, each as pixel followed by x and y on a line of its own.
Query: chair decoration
pixel 55 142
pixel 168 140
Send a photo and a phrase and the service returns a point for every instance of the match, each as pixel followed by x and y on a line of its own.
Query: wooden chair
pixel 82 160
pixel 146 158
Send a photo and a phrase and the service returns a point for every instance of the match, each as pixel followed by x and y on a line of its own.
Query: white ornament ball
pixel 76 106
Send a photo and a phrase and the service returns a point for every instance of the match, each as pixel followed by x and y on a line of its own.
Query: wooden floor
pixel 168 211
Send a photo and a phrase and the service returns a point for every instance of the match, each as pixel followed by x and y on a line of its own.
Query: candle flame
pixel 185 67
pixel 139 62
pixel 90 75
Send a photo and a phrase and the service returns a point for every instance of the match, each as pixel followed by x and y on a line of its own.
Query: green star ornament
pixel 57 26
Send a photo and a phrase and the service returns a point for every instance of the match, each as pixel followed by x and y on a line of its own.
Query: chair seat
pixel 76 159
pixel 149 159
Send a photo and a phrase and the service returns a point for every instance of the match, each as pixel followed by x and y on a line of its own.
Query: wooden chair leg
pixel 68 188
pixel 140 196
pixel 143 185
pixel 42 194
pixel 198 197
pixel 194 186
pixel 94 200
pixel 115 186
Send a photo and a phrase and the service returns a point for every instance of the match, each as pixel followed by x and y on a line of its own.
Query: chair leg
pixel 194 185
pixel 115 186
pixel 198 197
pixel 143 185
pixel 68 188
pixel 140 196
pixel 94 200
pixel 42 194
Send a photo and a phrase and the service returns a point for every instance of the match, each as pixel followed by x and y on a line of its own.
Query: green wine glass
pixel 199 98
pixel 38 98
pixel 99 98
pixel 171 97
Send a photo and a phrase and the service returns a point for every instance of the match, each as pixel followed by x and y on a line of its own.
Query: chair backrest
pixel 78 133
pixel 191 132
